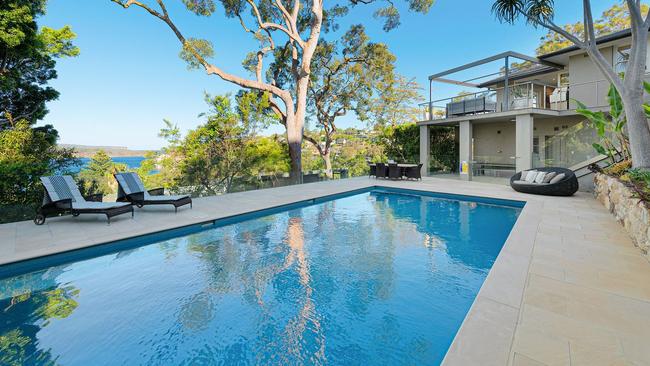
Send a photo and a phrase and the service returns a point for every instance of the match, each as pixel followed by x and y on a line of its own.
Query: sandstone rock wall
pixel 627 209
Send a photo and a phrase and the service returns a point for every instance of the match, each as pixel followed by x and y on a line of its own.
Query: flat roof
pixel 600 40
pixel 539 70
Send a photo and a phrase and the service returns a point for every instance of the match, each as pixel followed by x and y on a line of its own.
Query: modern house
pixel 523 116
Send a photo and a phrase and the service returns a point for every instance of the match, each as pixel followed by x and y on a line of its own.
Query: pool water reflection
pixel 375 278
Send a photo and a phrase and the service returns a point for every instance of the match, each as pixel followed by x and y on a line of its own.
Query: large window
pixel 621 58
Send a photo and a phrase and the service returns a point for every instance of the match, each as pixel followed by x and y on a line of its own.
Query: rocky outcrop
pixel 621 201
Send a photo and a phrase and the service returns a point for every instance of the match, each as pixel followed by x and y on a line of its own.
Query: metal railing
pixel 520 96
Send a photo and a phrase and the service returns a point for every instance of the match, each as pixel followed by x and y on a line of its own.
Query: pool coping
pixel 487 333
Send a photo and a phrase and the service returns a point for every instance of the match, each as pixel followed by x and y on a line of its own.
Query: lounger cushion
pixel 151 198
pixel 557 178
pixel 86 205
pixel 130 183
pixel 540 177
pixel 62 187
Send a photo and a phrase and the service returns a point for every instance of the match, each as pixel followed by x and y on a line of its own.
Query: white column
pixel 524 142
pixel 465 150
pixel 425 149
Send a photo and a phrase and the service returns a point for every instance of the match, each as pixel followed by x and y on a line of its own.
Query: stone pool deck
pixel 568 288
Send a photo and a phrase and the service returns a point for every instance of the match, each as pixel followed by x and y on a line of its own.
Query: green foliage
pixel 393 103
pixel 444 149
pixel 200 7
pixel 27 60
pixel 171 133
pixel 614 19
pixel 390 15
pixel 610 127
pixel 402 142
pixel 193 47
pixel 254 109
pixel 222 153
pixel 534 11
pixel 269 156
pixel 26 154
pixel 640 176
pixel 639 181
pixel 58 42
pixel 99 173
pixel 214 153
pixel 343 79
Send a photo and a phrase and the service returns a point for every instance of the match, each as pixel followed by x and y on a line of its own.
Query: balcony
pixel 520 96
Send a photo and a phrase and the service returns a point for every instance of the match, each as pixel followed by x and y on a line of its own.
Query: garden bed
pixel 623 201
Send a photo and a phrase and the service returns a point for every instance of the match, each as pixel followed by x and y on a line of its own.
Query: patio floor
pixel 568 288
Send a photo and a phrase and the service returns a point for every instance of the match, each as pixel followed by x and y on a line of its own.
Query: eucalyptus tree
pixel 394 102
pixel 540 13
pixel 293 25
pixel 343 79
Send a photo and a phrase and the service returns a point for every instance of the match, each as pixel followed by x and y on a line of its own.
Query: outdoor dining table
pixel 402 167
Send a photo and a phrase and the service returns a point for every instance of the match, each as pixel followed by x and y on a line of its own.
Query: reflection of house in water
pixel 476 243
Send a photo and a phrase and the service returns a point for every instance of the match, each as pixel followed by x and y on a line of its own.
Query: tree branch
pixel 210 68
pixel 278 110
pixel 635 12
pixel 590 32
pixel 268 25
pixel 314 142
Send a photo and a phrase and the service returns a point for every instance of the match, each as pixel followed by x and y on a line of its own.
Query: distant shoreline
pixel 85 151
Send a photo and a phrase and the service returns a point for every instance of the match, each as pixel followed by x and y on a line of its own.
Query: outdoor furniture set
pixel 395 171
pixel 546 181
pixel 63 196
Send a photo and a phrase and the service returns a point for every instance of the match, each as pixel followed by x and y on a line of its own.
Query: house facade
pixel 524 116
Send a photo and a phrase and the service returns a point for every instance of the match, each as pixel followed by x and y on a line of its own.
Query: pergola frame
pixel 439 77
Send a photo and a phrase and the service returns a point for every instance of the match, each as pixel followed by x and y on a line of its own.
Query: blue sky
pixel 129 77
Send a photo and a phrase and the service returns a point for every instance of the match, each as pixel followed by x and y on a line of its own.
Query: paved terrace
pixel 568 288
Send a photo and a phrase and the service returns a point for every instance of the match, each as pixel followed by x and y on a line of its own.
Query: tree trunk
pixel 295 125
pixel 638 131
pixel 328 164
pixel 632 97
pixel 294 140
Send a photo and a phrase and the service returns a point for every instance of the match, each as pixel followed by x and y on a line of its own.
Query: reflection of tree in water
pixel 247 259
pixel 306 318
pixel 25 312
pixel 237 261
pixel 197 312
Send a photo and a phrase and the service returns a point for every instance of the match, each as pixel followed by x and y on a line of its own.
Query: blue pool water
pixel 380 277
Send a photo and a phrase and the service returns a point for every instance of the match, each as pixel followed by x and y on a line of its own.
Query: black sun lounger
pixel 62 196
pixel 131 189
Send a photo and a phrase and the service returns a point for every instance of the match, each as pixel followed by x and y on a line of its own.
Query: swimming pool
pixel 380 277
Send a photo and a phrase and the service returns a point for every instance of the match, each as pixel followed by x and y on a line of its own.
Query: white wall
pixel 490 146
pixel 494 147
pixel 587 82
